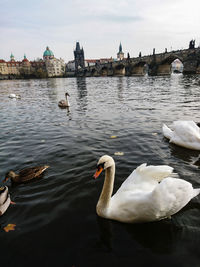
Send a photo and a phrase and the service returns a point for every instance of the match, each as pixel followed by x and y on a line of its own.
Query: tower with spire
pixel 12 58
pixel 79 57
pixel 120 54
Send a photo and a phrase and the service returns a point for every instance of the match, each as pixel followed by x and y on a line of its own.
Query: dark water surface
pixel 55 216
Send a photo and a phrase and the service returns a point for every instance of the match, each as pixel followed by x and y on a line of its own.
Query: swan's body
pixel 14 96
pixel 183 133
pixel 148 194
pixel 26 174
pixel 4 199
pixel 64 103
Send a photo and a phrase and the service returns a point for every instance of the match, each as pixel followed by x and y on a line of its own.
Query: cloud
pixel 117 18
pixel 140 25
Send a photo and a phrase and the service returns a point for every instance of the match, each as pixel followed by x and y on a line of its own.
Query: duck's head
pixel 103 163
pixel 9 175
pixel 66 94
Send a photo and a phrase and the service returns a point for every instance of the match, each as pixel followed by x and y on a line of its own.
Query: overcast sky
pixel 29 26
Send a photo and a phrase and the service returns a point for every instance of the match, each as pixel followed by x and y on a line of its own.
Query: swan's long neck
pixel 104 200
pixel 67 101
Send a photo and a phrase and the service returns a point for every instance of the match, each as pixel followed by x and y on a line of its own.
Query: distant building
pixel 13 66
pixel 91 62
pixel 48 54
pixel 79 57
pixel 120 54
pixel 26 67
pixel 49 66
pixel 3 67
pixel 70 66
pixel 106 60
pixel 55 67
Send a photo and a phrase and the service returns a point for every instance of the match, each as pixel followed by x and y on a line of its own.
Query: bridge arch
pixel 94 72
pixel 104 71
pixel 138 69
pixel 165 67
pixel 170 59
pixel 119 70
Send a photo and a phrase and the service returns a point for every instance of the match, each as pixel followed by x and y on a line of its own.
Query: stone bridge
pixel 156 64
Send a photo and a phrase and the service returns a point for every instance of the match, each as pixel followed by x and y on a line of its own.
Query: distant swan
pixel 183 133
pixel 14 96
pixel 148 194
pixel 64 103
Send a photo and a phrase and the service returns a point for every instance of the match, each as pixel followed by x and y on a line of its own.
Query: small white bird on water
pixel 148 194
pixel 14 96
pixel 183 133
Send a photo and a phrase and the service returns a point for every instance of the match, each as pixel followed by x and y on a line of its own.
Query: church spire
pixel 78 46
pixel 12 58
pixel 120 48
pixel 120 54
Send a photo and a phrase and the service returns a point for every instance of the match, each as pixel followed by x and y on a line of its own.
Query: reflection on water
pixel 82 93
pixel 149 238
pixel 187 155
pixel 55 216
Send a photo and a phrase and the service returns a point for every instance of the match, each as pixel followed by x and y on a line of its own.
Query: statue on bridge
pixel 192 44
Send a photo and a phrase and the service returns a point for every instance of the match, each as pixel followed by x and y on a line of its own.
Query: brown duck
pixel 25 175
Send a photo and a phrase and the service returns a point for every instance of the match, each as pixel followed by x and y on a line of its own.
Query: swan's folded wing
pixel 170 196
pixel 146 177
pixel 189 127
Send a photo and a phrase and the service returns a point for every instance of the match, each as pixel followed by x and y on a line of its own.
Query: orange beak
pixel 98 171
pixel 6 179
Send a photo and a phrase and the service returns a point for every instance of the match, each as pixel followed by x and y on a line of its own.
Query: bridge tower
pixel 120 54
pixel 79 57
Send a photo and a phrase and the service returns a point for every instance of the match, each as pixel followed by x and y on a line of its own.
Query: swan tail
pixel 196 192
pixel 157 173
pixel 168 133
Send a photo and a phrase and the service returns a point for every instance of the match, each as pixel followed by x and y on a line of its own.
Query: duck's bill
pixel 98 172
pixel 6 179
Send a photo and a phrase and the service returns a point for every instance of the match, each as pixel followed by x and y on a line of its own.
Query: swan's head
pixel 66 95
pixel 103 163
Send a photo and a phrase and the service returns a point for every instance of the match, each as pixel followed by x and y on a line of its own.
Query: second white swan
pixel 148 194
pixel 183 133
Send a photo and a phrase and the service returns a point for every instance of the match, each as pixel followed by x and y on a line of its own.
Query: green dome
pixel 48 52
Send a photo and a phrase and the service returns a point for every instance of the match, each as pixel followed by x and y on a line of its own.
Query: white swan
pixel 14 96
pixel 64 103
pixel 4 199
pixel 183 133
pixel 148 194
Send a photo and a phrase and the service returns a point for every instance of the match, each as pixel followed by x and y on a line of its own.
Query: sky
pixel 27 27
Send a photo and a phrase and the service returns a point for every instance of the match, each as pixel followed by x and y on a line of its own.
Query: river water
pixel 55 217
